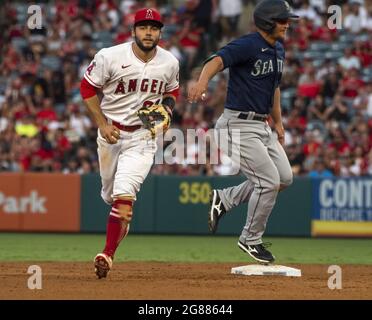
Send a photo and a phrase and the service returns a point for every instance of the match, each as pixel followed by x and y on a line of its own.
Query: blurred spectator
pixel 339 142
pixel 350 83
pixel 357 161
pixel 26 126
pixel 230 12
pixel 331 84
pixel 356 19
pixel 319 170
pixel 308 12
pixel 317 110
pixel 363 101
pixel 189 38
pixel 46 114
pixel 363 53
pixel 349 61
pixel 296 158
pixel 79 122
pixel 369 163
pixel 325 69
pixel 338 110
pixel 308 85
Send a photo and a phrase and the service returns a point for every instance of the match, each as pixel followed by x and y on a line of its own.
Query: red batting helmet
pixel 144 15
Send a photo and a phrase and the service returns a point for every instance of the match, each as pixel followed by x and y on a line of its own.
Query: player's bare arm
pixel 210 69
pixel 109 132
pixel 276 114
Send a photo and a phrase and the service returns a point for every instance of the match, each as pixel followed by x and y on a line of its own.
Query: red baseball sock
pixel 116 231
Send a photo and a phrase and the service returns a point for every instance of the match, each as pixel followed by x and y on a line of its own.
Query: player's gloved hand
pixel 156 118
pixel 110 133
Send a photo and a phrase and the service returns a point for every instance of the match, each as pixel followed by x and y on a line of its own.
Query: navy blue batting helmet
pixel 267 12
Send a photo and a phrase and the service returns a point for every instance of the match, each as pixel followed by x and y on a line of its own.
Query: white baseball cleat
pixel 216 211
pixel 102 265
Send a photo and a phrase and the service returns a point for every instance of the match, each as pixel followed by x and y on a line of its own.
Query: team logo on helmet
pixel 287 6
pixel 149 14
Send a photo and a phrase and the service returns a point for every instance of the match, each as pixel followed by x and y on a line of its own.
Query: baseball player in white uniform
pixel 130 75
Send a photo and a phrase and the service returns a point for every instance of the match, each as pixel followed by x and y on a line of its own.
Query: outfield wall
pixel 174 204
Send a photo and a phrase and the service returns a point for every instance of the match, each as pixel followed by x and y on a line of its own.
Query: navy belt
pixel 256 117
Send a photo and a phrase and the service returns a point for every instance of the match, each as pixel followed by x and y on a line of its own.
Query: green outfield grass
pixel 83 247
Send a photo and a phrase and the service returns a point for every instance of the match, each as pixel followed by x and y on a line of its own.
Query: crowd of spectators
pixel 326 85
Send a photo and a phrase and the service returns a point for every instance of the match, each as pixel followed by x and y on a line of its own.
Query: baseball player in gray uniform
pixel 255 63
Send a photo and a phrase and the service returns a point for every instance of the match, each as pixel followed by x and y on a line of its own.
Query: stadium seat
pixel 347 38
pixel 339 46
pixel 22 15
pixel 363 37
pixel 334 54
pixel 317 125
pixel 102 39
pixel 19 43
pixel 367 71
pixel 102 44
pixel 319 46
pixel 299 55
pixel 314 55
pixel 286 98
pixel 367 78
pixel 51 62
pixel 318 63
pixel 102 36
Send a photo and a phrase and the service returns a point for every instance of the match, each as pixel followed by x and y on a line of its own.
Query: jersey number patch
pixel 90 68
pixel 148 103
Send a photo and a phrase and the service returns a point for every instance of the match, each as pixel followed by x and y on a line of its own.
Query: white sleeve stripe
pixel 91 81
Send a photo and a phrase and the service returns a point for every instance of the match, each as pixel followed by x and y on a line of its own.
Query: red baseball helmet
pixel 146 14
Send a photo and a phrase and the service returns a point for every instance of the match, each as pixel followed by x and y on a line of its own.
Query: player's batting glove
pixel 155 118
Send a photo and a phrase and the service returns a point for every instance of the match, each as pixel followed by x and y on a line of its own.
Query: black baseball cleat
pixel 258 252
pixel 216 211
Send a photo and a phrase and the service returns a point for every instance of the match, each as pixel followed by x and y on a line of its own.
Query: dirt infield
pixel 156 280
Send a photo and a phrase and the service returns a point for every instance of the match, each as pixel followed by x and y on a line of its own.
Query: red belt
pixel 126 128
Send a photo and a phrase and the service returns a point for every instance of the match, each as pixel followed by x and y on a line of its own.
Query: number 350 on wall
pixel 194 192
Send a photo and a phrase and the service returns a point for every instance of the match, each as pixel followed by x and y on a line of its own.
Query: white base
pixel 266 270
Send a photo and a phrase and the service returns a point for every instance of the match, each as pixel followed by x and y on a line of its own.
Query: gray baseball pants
pixel 264 162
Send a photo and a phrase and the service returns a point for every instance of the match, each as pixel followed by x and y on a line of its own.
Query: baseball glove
pixel 155 118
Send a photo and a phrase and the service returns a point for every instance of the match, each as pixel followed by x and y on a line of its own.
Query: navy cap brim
pixel 293 16
pixel 287 16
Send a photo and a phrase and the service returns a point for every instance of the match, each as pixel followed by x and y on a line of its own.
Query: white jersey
pixel 128 83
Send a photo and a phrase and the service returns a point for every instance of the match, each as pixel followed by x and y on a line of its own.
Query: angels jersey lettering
pixel 128 83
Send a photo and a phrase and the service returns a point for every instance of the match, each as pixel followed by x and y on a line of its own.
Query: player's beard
pixel 280 34
pixel 143 47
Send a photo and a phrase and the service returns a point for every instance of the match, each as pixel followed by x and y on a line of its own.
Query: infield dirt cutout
pixel 183 281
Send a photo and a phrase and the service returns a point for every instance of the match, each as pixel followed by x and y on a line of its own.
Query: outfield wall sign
pixel 342 207
pixel 39 202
